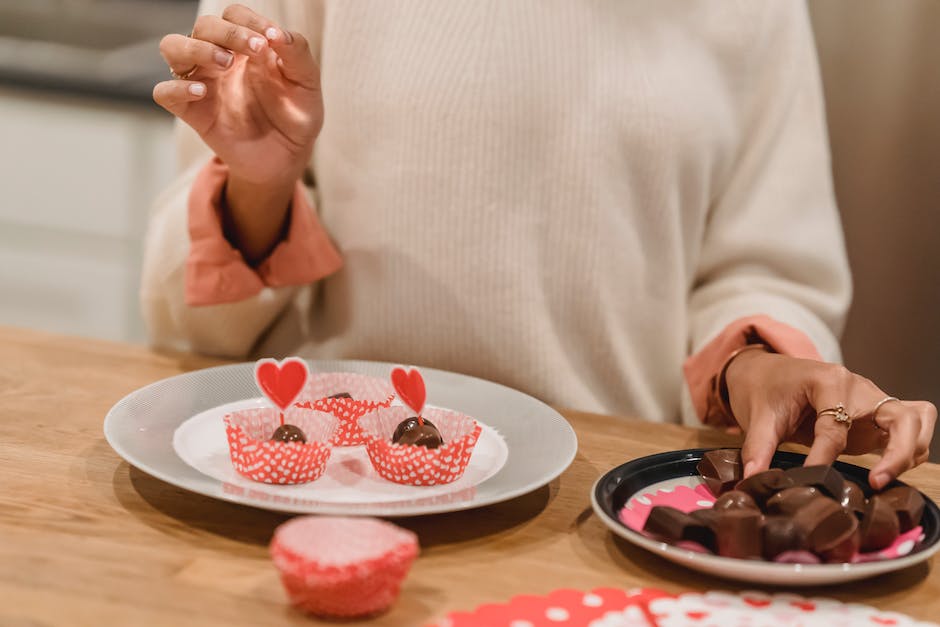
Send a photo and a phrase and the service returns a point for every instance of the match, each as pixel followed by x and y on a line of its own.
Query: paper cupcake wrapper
pixel 255 456
pixel 687 499
pixel 418 465
pixel 347 587
pixel 368 394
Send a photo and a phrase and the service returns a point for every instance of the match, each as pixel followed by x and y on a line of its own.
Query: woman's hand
pixel 776 398
pixel 252 92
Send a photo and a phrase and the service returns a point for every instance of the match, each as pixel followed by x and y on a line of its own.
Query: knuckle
pixel 231 32
pixel 201 23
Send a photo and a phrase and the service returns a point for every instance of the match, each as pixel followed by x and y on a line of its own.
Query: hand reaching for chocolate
pixel 776 398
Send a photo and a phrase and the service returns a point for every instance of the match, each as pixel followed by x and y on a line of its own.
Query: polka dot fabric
pixel 368 394
pixel 417 465
pixel 342 567
pixel 255 456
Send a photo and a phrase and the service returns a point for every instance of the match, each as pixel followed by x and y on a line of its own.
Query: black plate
pixel 616 487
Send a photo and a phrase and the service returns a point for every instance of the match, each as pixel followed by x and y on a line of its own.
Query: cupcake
pixel 347 396
pixel 342 567
pixel 258 456
pixel 414 464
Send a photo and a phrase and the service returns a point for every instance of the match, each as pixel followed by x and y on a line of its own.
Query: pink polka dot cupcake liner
pixel 368 394
pixel 417 465
pixel 255 456
pixel 342 567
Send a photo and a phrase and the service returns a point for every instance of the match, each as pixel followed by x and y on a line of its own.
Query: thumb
pixel 760 443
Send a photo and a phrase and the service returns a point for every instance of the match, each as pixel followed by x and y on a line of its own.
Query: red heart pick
pixel 758 603
pixel 696 615
pixel 410 388
pixel 884 621
pixel 281 382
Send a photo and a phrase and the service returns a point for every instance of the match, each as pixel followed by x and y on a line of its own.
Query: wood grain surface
pixel 85 539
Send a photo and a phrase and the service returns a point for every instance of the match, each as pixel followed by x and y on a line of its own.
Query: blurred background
pixel 84 151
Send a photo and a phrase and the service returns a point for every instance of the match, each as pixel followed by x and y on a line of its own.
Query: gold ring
pixel 185 75
pixel 874 412
pixel 838 414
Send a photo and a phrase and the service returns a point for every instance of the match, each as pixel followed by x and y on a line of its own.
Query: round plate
pixel 613 490
pixel 541 443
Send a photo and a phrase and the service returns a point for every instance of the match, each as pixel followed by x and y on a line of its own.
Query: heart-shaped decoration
pixel 806 606
pixel 410 388
pixel 758 603
pixel 883 621
pixel 696 615
pixel 281 382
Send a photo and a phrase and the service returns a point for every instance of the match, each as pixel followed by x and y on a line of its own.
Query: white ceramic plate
pixel 668 470
pixel 537 444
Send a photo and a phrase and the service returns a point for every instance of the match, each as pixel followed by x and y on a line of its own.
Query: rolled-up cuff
pixel 215 270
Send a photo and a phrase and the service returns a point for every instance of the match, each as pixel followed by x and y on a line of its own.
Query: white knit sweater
pixel 563 196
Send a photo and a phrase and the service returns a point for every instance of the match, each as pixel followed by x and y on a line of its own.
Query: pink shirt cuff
pixel 701 368
pixel 216 272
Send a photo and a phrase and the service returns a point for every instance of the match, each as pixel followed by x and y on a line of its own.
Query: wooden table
pixel 86 539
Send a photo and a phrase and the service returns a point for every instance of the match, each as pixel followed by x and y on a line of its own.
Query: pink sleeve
pixel 216 272
pixel 702 367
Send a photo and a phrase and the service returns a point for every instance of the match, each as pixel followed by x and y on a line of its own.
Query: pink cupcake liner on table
pixel 342 567
pixel 368 393
pixel 255 456
pixel 417 465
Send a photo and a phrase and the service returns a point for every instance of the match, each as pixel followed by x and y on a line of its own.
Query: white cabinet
pixel 77 178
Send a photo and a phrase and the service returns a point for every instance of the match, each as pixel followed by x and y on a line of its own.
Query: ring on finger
pixel 185 75
pixel 874 412
pixel 838 414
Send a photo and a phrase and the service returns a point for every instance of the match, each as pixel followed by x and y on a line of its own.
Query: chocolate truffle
pixel 411 431
pixel 909 505
pixel 879 526
pixel 853 499
pixel 825 478
pixel 765 484
pixel 673 525
pixel 707 516
pixel 781 534
pixel 735 499
pixel 289 433
pixel 832 531
pixel 738 533
pixel 721 469
pixel 788 502
pixel 340 395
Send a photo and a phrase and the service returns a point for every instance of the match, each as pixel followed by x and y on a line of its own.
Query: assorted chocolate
pixel 417 432
pixel 289 433
pixel 804 514
pixel 341 395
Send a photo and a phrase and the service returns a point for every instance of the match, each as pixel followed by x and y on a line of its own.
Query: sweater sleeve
pixel 773 243
pixel 192 313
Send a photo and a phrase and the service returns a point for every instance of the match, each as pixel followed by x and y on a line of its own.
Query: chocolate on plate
pixel 735 499
pixel 721 469
pixel 673 525
pixel 853 499
pixel 825 478
pixel 764 485
pixel 781 534
pixel 417 432
pixel 289 433
pixel 790 500
pixel 879 526
pixel 832 531
pixel 908 503
pixel 738 533
pixel 340 395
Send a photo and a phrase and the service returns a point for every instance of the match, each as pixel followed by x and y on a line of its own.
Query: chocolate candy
pixel 673 525
pixel 412 431
pixel 289 433
pixel 765 484
pixel 341 395
pixel 707 516
pixel 735 499
pixel 879 526
pixel 788 502
pixel 721 469
pixel 825 478
pixel 853 499
pixel 738 533
pixel 908 504
pixel 832 531
pixel 781 534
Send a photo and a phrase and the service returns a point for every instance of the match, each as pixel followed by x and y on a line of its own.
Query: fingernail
pixel 255 43
pixel 223 58
pixel 271 33
pixel 879 481
pixel 197 89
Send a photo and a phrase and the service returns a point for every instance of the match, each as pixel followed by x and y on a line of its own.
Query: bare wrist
pixel 255 215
